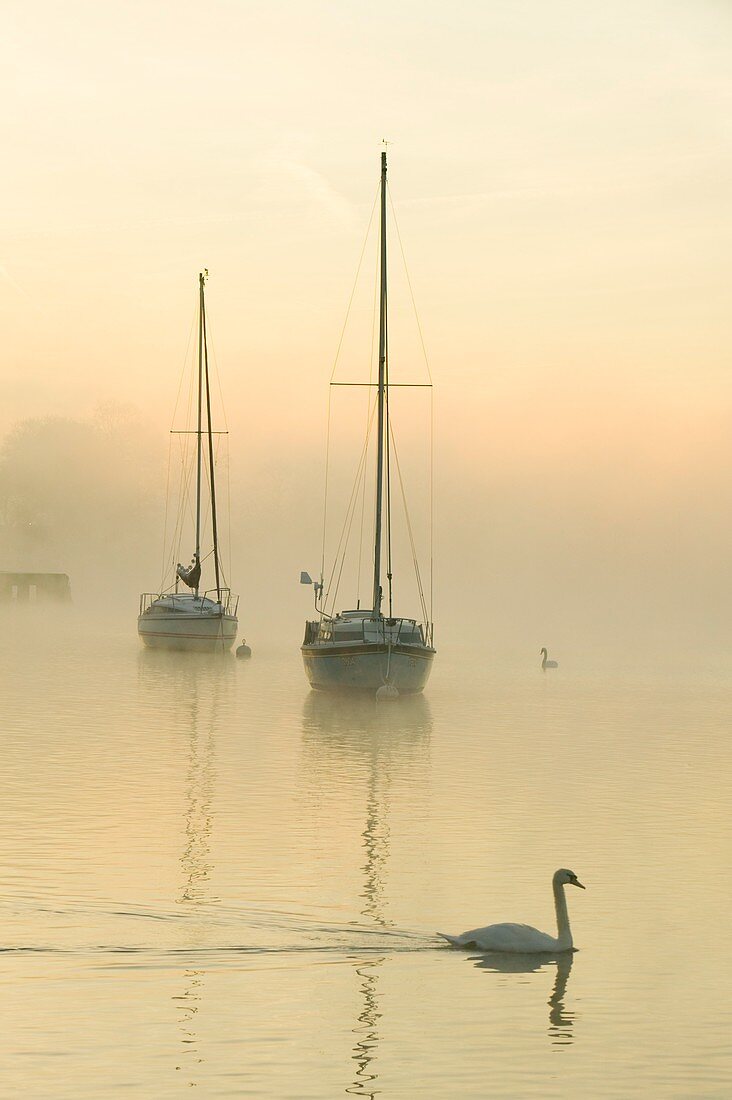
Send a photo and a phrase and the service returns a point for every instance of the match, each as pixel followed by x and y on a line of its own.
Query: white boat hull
pixel 191 632
pixel 367 667
pixel 187 622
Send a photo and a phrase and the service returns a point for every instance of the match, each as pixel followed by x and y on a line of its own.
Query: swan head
pixel 543 652
pixel 563 877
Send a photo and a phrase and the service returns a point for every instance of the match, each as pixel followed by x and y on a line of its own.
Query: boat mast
pixel 381 426
pixel 198 428
pixel 382 386
pixel 210 452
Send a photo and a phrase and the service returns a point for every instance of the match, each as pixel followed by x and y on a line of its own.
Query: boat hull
pixel 195 633
pixel 367 667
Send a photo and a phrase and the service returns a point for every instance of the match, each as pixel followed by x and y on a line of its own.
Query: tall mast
pixel 210 452
pixel 380 437
pixel 198 425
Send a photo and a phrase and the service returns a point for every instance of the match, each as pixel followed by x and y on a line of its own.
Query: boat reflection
pixel 170 670
pixel 195 859
pixel 190 689
pixel 198 721
pixel 351 728
pixel 365 1049
pixel 359 743
pixel 561 1021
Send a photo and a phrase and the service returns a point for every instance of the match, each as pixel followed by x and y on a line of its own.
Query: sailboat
pixel 202 621
pixel 366 649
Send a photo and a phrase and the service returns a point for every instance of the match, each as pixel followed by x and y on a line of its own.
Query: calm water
pixel 212 878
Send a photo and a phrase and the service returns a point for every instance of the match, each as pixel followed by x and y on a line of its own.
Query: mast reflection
pixel 189 690
pixel 346 739
pixel 195 859
pixel 365 1049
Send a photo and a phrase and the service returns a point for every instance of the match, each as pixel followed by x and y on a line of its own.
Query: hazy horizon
pixel 562 184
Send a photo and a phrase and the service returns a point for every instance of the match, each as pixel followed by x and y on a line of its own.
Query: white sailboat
pixel 366 650
pixel 202 621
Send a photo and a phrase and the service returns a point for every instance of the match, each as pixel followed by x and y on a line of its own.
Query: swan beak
pixel 578 883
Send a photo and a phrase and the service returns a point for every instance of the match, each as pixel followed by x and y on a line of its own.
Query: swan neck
pixel 564 932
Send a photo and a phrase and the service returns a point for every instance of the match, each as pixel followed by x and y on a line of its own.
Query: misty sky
pixel 562 174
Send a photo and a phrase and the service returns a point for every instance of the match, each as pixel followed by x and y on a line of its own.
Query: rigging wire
pixel 325 490
pixel 165 519
pixel 228 501
pixel 369 414
pixel 184 442
pixel 217 447
pixel 186 473
pixel 217 376
pixel 216 373
pixel 340 554
pixel 332 374
pixel 415 560
pixel 355 283
pixel 360 476
pixel 170 448
pixel 409 284
pixel 211 457
pixel 187 469
pixel 387 448
pixel 432 400
pixel 185 499
pixel 432 506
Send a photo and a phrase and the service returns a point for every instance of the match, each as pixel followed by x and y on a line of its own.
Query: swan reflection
pixel 561 1021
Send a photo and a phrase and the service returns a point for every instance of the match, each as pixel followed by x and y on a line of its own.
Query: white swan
pixel 545 663
pixel 522 937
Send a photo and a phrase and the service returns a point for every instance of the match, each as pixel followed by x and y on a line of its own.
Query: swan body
pixel 523 938
pixel 545 662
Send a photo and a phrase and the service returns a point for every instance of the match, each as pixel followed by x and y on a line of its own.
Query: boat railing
pixel 224 596
pixel 386 630
pixel 228 601
pixel 147 599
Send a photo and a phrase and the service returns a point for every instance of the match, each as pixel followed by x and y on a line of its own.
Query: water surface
pixel 213 878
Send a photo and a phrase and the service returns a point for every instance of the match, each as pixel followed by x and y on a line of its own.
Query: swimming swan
pixel 545 663
pixel 522 937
